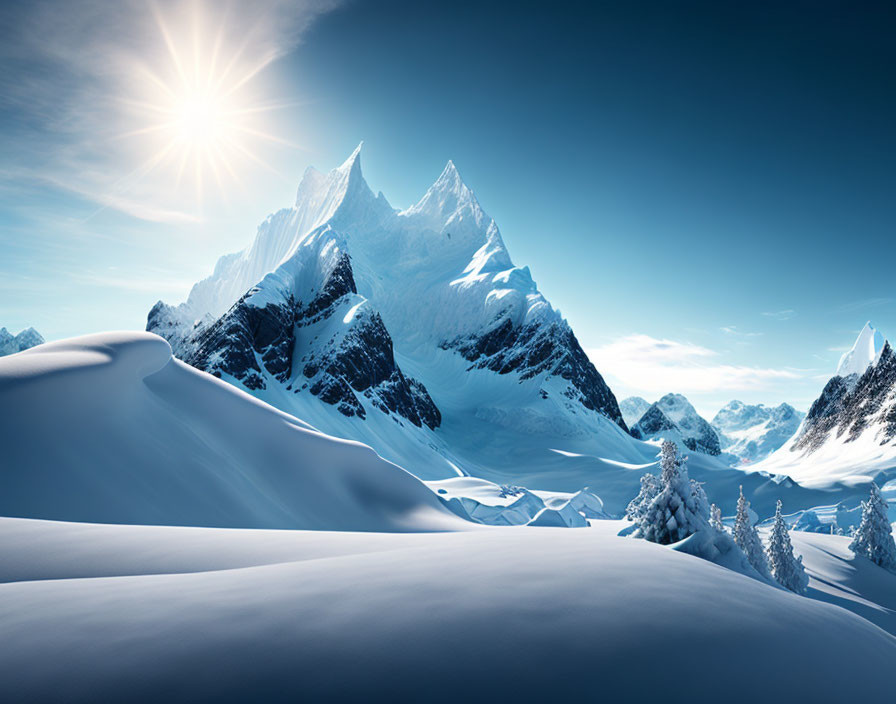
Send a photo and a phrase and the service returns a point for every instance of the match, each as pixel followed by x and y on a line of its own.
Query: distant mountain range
pixel 10 344
pixel 752 432
pixel 742 432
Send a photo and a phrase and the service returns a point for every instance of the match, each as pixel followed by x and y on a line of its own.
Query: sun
pixel 198 111
pixel 201 120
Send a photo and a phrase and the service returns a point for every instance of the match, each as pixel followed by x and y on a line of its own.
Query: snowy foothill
pixel 111 428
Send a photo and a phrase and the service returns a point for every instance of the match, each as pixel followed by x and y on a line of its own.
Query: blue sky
pixel 704 189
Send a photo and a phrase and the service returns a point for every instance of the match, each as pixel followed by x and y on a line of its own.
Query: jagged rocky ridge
pixel 295 330
pixel 536 349
pixel 849 406
pixel 849 433
pixel 435 276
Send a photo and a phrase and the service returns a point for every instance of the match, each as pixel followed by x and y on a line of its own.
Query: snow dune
pixel 115 613
pixel 110 428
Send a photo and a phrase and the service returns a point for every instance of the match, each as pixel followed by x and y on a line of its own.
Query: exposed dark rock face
pixel 534 349
pixel 364 362
pixel 848 406
pixel 653 421
pixel 256 343
pixel 245 338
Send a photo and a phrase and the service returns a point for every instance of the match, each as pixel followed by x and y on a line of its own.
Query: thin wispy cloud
pixel 866 303
pixel 734 331
pixel 786 314
pixel 655 366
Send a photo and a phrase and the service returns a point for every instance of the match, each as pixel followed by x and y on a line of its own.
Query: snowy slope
pixel 849 433
pixel 112 613
pixel 463 342
pixel 838 576
pixel 752 432
pixel 674 418
pixel 10 344
pixel 111 428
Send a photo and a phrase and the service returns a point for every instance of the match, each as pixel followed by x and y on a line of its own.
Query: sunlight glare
pixel 197 105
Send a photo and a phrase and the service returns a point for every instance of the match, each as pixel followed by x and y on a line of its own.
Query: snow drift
pixel 110 428
pixel 112 613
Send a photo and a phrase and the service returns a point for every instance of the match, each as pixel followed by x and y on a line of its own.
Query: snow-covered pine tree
pixel 699 495
pixel 650 487
pixel 785 567
pixel 679 509
pixel 747 538
pixel 715 518
pixel 874 537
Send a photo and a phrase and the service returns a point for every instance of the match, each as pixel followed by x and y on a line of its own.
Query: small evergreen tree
pixel 874 537
pixel 715 518
pixel 785 567
pixel 679 509
pixel 650 487
pixel 746 537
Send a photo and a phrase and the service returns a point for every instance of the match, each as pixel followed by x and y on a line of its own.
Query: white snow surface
pixel 111 428
pixel 133 613
pixel 864 352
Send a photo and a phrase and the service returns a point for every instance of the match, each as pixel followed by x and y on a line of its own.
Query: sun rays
pixel 196 110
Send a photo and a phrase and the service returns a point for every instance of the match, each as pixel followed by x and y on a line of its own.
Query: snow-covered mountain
pixel 413 332
pixel 632 409
pixel 11 344
pixel 384 325
pixel 752 432
pixel 674 418
pixel 849 432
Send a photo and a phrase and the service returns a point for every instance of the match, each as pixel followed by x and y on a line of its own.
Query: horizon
pixel 712 290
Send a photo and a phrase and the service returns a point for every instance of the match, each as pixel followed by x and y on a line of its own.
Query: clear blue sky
pixel 705 190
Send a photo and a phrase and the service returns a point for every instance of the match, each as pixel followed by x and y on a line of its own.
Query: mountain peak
pixel 449 181
pixel 354 160
pixel 864 352
pixel 447 197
